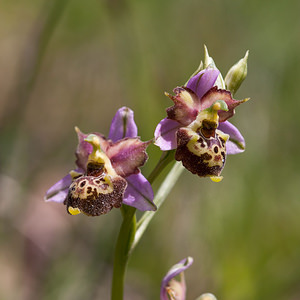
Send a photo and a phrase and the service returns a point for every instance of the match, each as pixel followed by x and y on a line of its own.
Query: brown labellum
pixel 203 152
pixel 95 196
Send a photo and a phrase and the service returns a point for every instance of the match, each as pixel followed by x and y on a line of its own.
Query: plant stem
pixel 164 160
pixel 123 246
pixel 127 238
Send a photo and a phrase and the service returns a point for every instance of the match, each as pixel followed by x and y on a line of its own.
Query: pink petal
pixel 127 155
pixel 215 94
pixel 139 193
pixel 59 190
pixel 236 142
pixel 165 134
pixel 186 106
pixel 122 125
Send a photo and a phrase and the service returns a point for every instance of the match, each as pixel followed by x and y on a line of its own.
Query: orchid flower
pixel 107 173
pixel 196 125
pixel 172 289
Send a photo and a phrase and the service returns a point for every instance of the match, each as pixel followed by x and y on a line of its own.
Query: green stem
pixel 127 236
pixel 164 160
pixel 123 246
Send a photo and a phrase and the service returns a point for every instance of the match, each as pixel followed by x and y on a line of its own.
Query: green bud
pixel 236 74
pixel 208 60
pixel 209 63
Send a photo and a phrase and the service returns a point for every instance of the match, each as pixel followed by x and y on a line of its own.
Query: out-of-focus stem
pixel 128 236
pixel 164 160
pixel 122 251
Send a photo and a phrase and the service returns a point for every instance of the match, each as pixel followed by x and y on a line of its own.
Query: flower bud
pixel 236 74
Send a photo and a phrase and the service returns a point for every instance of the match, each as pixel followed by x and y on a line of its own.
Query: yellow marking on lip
pixel 74 211
pixel 216 178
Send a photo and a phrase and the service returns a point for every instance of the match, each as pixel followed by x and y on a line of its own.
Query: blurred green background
pixel 65 63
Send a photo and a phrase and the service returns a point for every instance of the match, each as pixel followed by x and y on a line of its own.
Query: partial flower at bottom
pixel 107 173
pixel 172 289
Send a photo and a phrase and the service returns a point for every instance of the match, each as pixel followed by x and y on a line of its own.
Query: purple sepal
pixel 59 191
pixel 122 125
pixel 174 271
pixel 203 81
pixel 139 193
pixel 165 134
pixel 236 143
pixel 59 197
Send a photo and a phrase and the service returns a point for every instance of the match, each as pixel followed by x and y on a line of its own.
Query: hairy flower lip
pixel 95 196
pixel 200 155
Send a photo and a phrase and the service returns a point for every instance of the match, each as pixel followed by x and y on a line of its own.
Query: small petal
pixel 127 155
pixel 186 108
pixel 84 149
pixel 174 271
pixel 215 94
pixel 203 81
pixel 59 191
pixel 139 193
pixel 122 125
pixel 236 142
pixel 165 134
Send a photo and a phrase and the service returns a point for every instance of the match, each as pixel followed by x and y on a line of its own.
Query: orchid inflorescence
pixel 196 129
